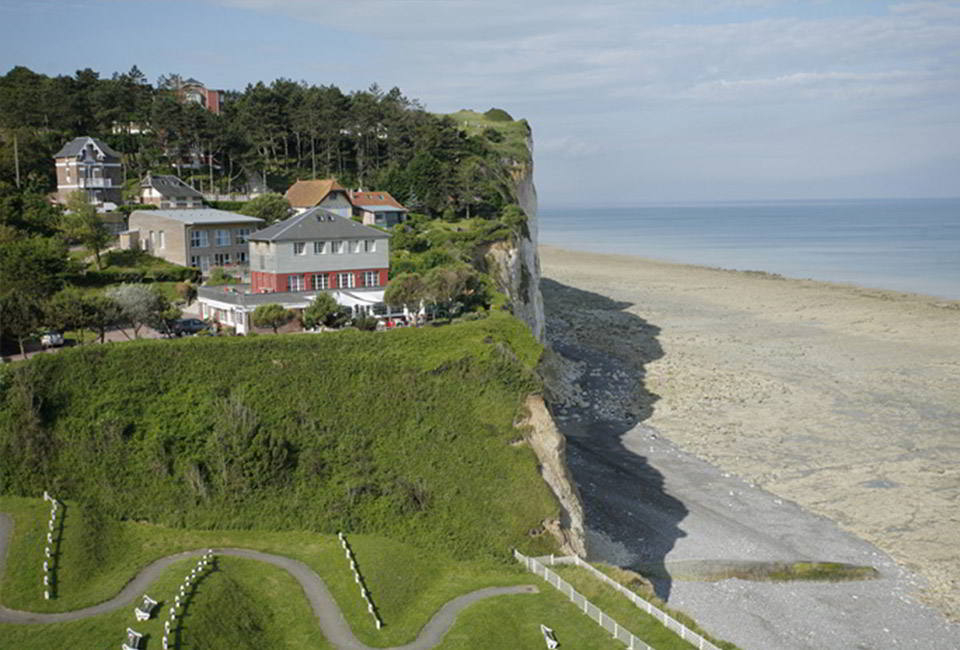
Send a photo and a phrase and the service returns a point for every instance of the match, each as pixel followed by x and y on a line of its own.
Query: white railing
pixel 50 554
pixel 672 624
pixel 364 593
pixel 96 182
pixel 606 622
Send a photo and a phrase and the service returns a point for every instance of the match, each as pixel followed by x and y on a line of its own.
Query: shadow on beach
pixel 631 520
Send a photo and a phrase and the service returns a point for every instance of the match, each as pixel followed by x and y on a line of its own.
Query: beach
pixel 842 400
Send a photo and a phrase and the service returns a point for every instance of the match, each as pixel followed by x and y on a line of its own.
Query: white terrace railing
pixel 537 566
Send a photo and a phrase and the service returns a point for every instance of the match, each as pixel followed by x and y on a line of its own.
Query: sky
pixel 630 101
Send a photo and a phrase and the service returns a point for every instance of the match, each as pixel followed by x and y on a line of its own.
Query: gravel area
pixel 676 475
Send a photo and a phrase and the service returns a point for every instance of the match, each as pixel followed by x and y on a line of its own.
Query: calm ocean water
pixel 906 245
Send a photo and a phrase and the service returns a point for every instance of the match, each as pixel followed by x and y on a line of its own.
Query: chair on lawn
pixel 133 640
pixel 144 611
pixel 548 636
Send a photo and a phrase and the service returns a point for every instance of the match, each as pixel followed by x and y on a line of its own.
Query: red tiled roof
pixel 307 194
pixel 374 198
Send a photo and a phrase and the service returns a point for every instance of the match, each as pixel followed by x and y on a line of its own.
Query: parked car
pixel 51 339
pixel 188 326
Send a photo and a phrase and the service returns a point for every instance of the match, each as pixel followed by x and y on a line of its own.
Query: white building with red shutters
pixel 293 260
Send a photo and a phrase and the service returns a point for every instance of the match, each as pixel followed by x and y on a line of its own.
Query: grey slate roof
pixel 202 216
pixel 77 145
pixel 317 224
pixel 170 186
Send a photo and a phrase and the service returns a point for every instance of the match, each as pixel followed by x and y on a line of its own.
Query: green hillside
pixel 404 433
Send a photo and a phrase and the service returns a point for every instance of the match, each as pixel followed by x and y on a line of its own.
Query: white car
pixel 51 339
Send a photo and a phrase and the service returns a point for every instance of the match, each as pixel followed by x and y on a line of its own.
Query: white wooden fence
pixel 537 566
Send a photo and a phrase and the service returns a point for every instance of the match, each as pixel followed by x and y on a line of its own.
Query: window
pixel 320 281
pixel 336 247
pixel 260 264
pixel 345 280
pixel 294 283
pixel 223 237
pixel 371 279
pixel 221 259
pixel 198 238
pixel 241 258
pixel 319 247
pixel 369 245
pixel 240 234
pixel 194 261
pixel 161 240
pixel 354 245
pixel 299 248
pixel 153 240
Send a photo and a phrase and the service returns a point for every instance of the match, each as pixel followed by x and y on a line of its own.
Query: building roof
pixel 77 145
pixel 367 200
pixel 317 224
pixel 169 186
pixel 381 208
pixel 306 194
pixel 201 216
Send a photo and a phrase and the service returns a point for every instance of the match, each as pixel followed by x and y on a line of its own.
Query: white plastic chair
pixel 548 636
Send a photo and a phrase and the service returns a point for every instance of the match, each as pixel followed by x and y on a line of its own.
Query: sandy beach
pixel 842 400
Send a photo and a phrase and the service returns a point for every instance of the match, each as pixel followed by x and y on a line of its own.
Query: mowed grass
pixel 249 604
pixel 628 615
pixel 239 604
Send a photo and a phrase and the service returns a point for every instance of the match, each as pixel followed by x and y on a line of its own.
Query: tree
pixel 140 305
pixel 104 313
pixel 451 286
pixel 81 223
pixel 272 315
pixel 269 207
pixel 405 290
pixel 32 265
pixel 21 315
pixel 321 311
pixel 69 310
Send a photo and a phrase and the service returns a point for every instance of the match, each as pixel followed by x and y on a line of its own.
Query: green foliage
pixel 219 276
pixel 80 223
pixel 492 134
pixel 404 433
pixel 364 323
pixel 32 265
pixel 186 291
pixel 322 311
pixel 141 305
pixel 136 266
pixel 230 206
pixel 405 290
pixel 498 115
pixel 269 207
pixel 272 315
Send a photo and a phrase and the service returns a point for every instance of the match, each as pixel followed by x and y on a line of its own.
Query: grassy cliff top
pixel 404 433
pixel 513 134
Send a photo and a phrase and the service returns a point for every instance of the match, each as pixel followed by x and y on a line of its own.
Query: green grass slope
pixel 403 433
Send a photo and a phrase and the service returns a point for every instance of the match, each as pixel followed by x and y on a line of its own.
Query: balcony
pixel 96 183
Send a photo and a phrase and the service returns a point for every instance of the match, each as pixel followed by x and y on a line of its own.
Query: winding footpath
pixel 325 608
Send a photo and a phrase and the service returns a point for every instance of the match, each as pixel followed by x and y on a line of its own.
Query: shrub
pixel 498 115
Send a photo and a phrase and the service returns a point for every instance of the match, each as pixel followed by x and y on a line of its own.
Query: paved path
pixel 329 616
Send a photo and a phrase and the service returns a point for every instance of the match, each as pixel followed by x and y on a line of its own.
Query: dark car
pixel 188 326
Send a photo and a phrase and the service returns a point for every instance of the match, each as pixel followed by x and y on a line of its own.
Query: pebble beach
pixel 842 400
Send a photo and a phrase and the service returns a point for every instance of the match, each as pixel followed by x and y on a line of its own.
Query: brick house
pixel 327 194
pixel 168 192
pixel 377 209
pixel 194 91
pixel 318 250
pixel 89 165
pixel 293 260
pixel 200 238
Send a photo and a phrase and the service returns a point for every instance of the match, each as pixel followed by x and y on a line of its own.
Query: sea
pixel 910 245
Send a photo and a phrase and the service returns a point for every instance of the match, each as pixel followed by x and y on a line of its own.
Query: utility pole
pixel 16 159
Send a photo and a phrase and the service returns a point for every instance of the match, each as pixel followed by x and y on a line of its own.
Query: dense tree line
pixel 269 134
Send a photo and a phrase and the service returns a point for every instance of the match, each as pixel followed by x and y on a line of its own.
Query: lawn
pixel 249 604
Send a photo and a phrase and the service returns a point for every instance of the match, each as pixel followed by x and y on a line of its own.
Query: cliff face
pixel 516 267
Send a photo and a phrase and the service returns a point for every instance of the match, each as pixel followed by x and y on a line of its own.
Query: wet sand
pixel 843 400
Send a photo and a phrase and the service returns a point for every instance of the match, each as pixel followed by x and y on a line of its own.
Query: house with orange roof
pixel 327 194
pixel 377 209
